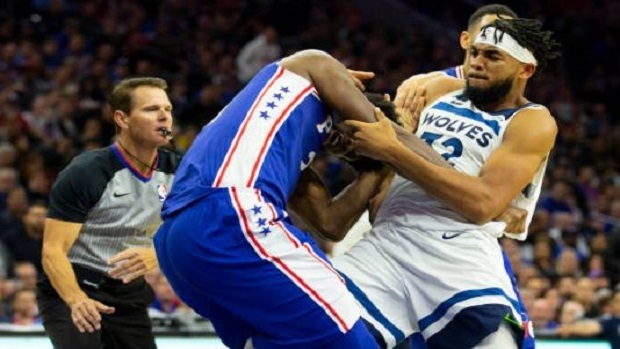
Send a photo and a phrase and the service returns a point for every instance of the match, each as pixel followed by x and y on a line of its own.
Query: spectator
pixel 16 207
pixel 542 316
pixel 24 309
pixel 605 327
pixel 257 53
pixel 24 240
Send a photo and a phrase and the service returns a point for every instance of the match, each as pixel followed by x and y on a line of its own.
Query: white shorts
pixel 449 285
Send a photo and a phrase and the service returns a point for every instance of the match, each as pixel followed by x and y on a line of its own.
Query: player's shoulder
pixel 305 62
pixel 534 121
pixel 534 112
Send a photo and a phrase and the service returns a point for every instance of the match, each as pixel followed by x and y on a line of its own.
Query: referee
pixel 104 210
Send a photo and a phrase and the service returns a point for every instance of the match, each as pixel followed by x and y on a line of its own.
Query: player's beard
pixel 482 96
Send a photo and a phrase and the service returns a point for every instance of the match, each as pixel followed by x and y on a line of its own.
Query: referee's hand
pixel 86 314
pixel 132 263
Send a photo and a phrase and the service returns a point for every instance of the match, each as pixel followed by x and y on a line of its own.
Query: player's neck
pixel 141 157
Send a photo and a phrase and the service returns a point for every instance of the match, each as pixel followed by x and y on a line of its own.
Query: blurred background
pixel 59 59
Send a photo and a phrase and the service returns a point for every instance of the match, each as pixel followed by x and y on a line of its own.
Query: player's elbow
pixel 481 212
pixel 331 231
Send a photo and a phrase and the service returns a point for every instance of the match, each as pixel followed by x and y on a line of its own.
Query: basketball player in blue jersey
pixel 431 263
pixel 227 244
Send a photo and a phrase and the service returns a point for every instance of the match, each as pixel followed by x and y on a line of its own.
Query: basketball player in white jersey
pixel 410 96
pixel 431 263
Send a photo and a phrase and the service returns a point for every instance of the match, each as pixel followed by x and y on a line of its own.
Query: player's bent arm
pixel 333 217
pixel 440 85
pixel 58 238
pixel 527 141
pixel 334 83
pixel 407 89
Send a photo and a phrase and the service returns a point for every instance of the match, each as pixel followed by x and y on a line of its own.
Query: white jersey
pixel 465 136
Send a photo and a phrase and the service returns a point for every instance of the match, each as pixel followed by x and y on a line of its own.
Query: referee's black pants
pixel 129 327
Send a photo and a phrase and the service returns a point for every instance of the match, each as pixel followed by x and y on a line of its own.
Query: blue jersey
pixel 263 139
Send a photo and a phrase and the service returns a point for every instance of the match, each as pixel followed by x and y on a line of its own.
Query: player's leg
pixel 526 340
pixel 378 288
pixel 233 332
pixel 262 271
pixel 465 293
pixel 504 337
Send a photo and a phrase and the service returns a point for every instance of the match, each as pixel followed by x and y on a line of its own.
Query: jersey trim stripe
pixel 286 269
pixel 236 141
pixel 372 310
pixel 294 240
pixel 272 132
pixel 443 308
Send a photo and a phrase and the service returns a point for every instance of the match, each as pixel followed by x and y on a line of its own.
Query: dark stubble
pixel 482 96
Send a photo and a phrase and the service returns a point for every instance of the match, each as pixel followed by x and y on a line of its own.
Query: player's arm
pixel 329 216
pixel 527 141
pixel 338 89
pixel 415 93
pixel 586 328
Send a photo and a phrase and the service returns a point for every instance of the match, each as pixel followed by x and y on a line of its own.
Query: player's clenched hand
pixel 358 76
pixel 372 139
pixel 86 314
pixel 515 219
pixel 132 263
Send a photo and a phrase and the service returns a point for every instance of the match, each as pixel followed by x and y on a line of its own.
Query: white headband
pixel 505 42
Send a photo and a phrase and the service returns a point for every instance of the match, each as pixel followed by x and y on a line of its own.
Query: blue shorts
pixel 235 260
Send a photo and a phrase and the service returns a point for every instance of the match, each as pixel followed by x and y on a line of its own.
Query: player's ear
pixel 527 71
pixel 464 40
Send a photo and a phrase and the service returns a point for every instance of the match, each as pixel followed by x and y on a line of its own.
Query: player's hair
pixel 491 9
pixel 530 34
pixel 387 107
pixel 121 96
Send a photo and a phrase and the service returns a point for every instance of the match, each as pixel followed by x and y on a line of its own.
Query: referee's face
pixel 150 112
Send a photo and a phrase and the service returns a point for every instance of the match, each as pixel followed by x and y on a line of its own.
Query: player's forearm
pixel 336 88
pixel 60 273
pixel 463 193
pixel 420 147
pixel 327 216
pixel 348 206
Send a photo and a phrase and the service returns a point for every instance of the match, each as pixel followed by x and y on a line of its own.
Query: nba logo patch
pixel 162 192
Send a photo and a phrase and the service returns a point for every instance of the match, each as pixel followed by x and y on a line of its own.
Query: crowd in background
pixel 59 59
